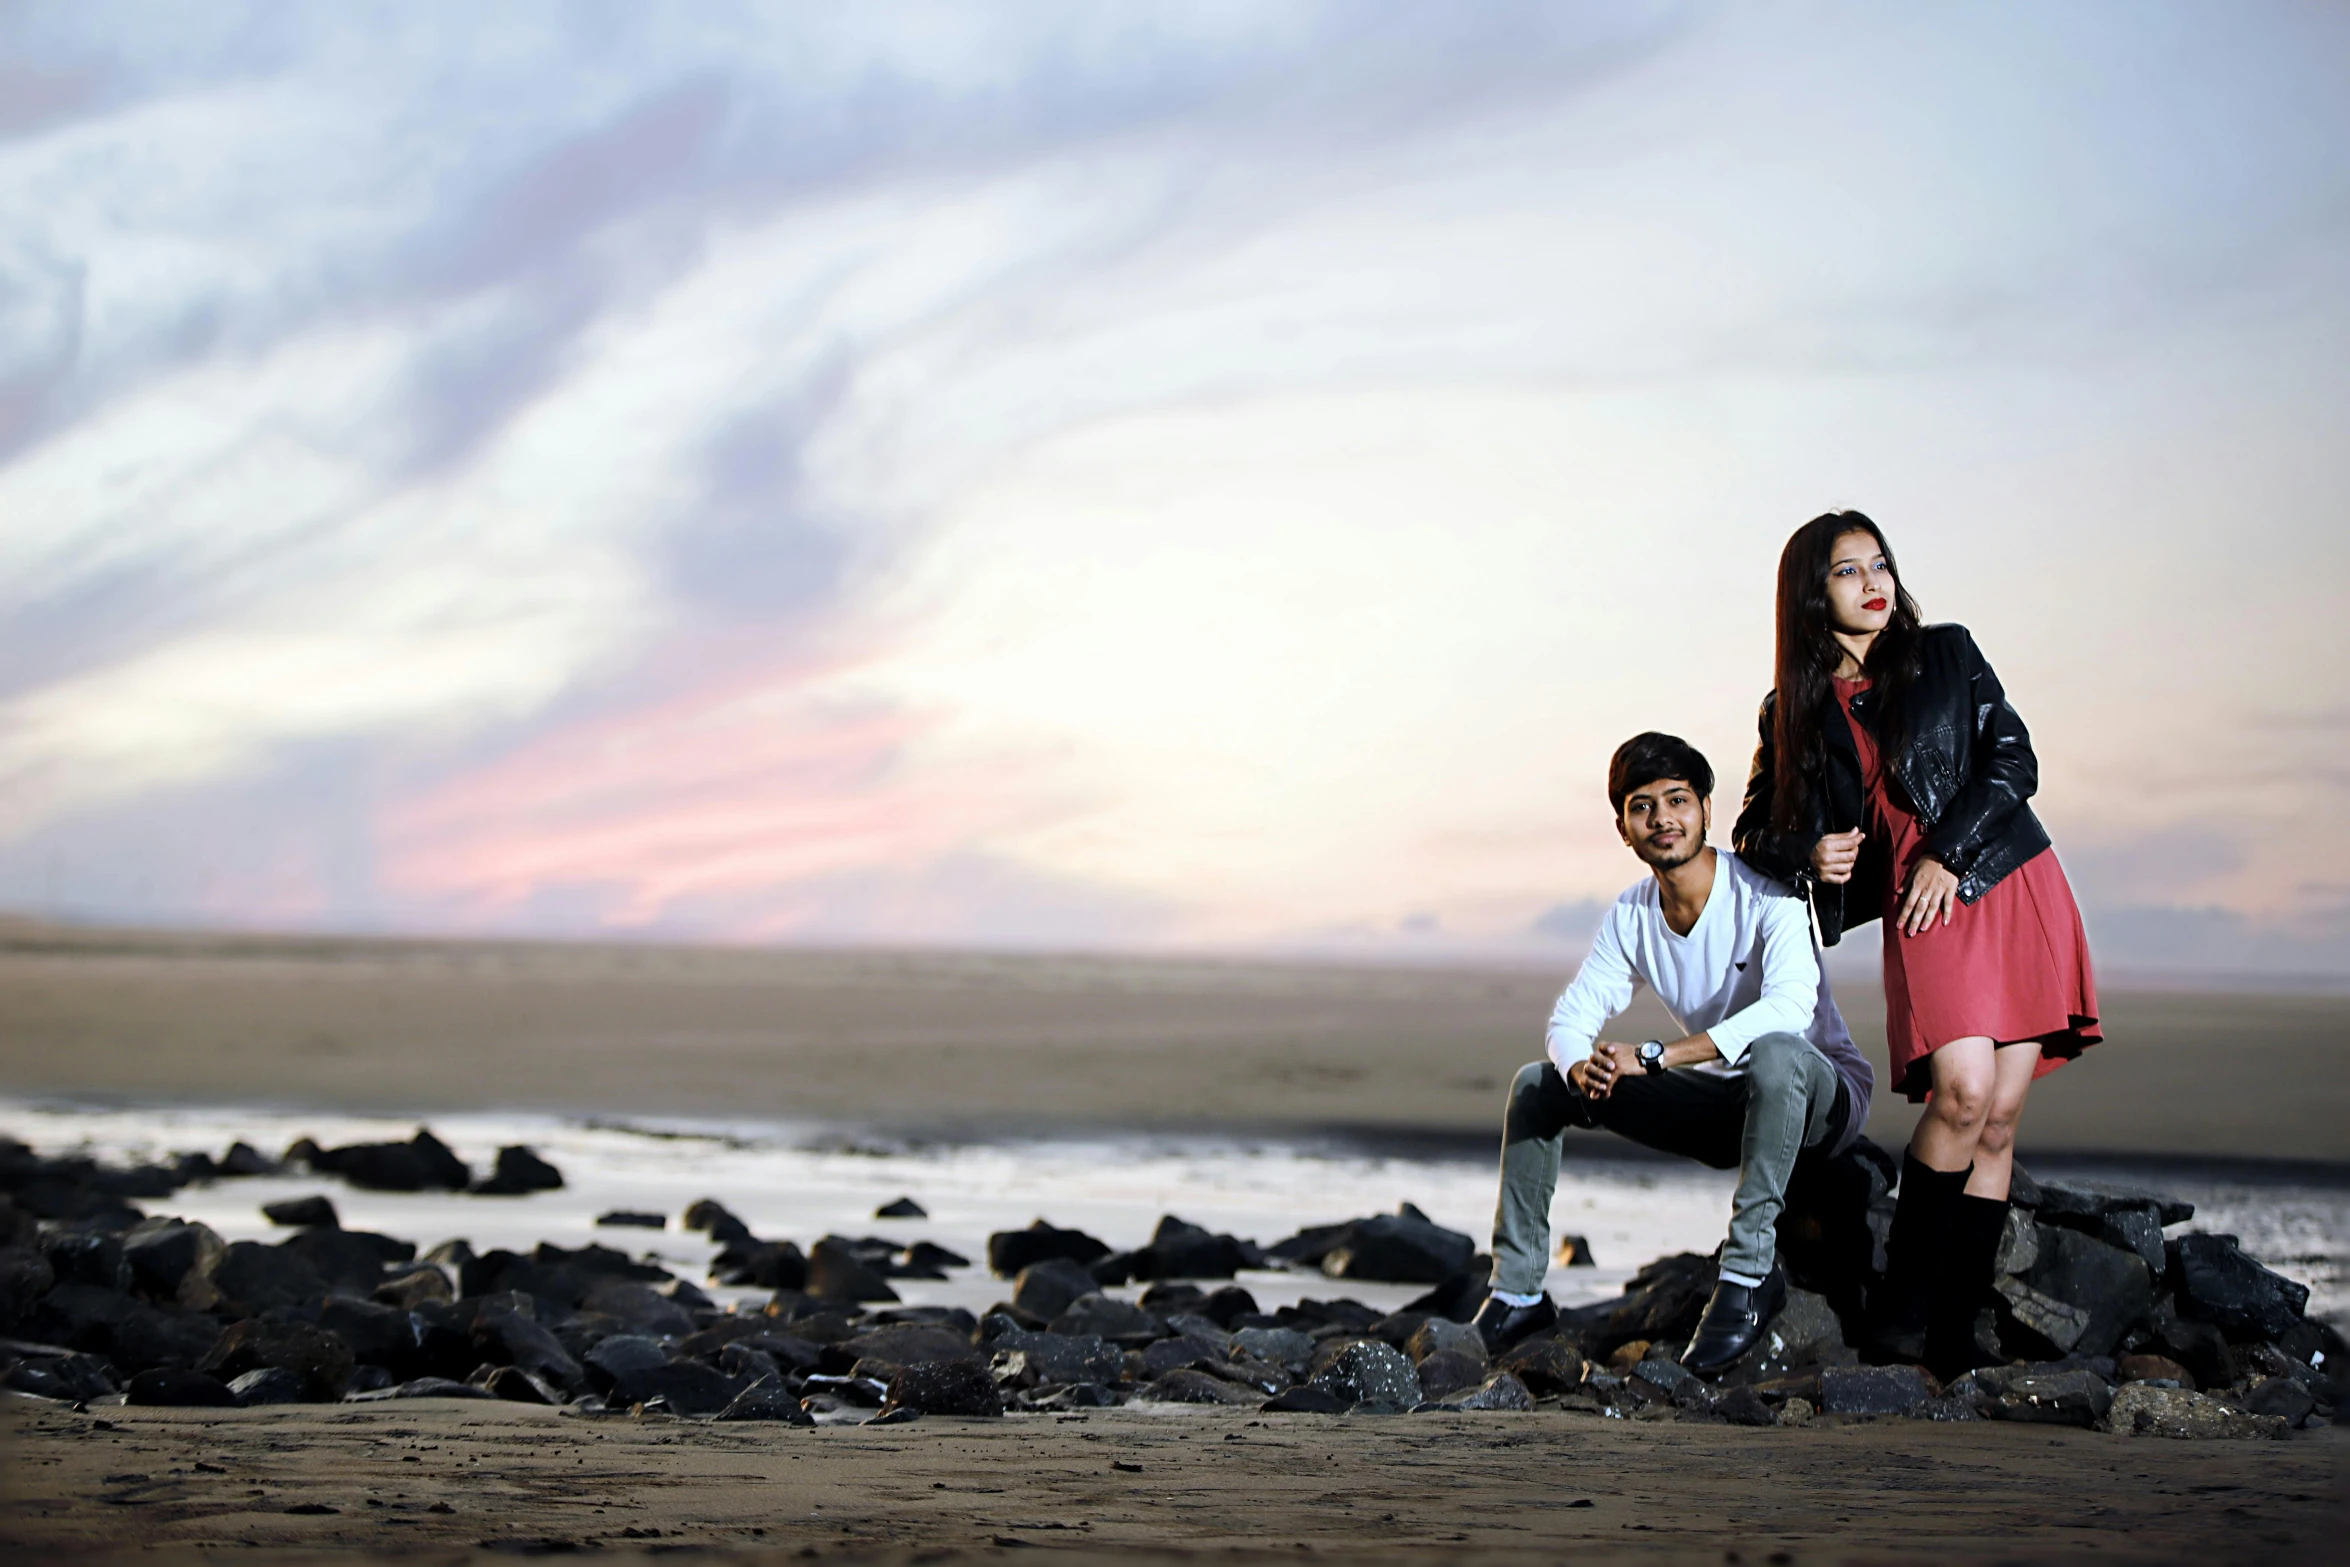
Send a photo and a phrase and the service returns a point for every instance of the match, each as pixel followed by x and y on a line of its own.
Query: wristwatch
pixel 1652 1055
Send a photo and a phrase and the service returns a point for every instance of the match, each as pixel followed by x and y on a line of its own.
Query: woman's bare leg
pixel 2013 1067
pixel 1966 1077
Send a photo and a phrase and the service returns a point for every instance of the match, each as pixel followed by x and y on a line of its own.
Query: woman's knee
pixel 1962 1100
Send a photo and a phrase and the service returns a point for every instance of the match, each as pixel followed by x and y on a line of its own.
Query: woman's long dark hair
pixel 1808 654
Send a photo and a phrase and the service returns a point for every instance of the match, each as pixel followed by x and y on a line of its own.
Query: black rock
pixel 626 1218
pixel 1076 1395
pixel 773 1265
pixel 1174 1354
pixel 271 1385
pixel 945 1387
pixel 304 1212
pixel 1304 1401
pixel 131 1334
pixel 379 1335
pixel 836 1274
pixel 170 1389
pixel 1434 1335
pixel 517 1386
pixel 710 1215
pixel 320 1358
pixel 1110 1318
pixel 903 1344
pixel 2087 1206
pixel 1010 1251
pixel 928 1259
pixel 1661 1304
pixel 70 1378
pixel 1051 1359
pixel 1224 1305
pixel 639 1307
pixel 243 1159
pixel 1046 1289
pixel 623 1355
pixel 2104 1288
pixel 766 1399
pixel 1186 1386
pixel 690 1387
pixel 2199 1346
pixel 163 1253
pixel 85 1257
pixel 1448 1371
pixel 2285 1397
pixel 427 1387
pixel 1875 1390
pixel 25 1276
pixel 1743 1406
pixel 2218 1284
pixel 903 1208
pixel 1457 1298
pixel 1828 1229
pixel 1405 1247
pixel 1181 1250
pixel 423 1163
pixel 506 1337
pixel 2035 1396
pixel 370 1379
pixel 1369 1372
pixel 519 1171
pixel 348 1260
pixel 411 1287
pixel 1284 1347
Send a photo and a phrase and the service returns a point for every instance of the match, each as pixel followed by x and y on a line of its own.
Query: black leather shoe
pixel 1733 1320
pixel 1501 1324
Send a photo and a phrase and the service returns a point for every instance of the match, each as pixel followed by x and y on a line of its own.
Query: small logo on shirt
pixel 1741 965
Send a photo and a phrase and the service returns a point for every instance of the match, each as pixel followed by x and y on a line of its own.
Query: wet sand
pixel 1183 1485
pixel 982 1044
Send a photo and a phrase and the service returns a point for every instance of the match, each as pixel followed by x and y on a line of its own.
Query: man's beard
pixel 1673 859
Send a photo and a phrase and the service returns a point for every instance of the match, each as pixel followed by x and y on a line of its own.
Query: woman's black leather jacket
pixel 1966 770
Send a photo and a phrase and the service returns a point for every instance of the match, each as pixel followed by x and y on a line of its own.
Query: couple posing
pixel 1890 781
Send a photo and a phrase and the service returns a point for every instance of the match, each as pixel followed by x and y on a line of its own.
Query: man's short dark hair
pixel 1644 759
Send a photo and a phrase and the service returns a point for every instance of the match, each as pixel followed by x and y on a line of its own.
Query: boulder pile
pixel 2099 1317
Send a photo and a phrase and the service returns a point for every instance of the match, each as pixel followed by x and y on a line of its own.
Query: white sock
pixel 1739 1278
pixel 1508 1299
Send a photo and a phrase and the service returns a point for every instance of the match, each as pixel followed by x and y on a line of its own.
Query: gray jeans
pixel 1788 1100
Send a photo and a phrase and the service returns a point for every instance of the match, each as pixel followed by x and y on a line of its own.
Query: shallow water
pixel 802 1182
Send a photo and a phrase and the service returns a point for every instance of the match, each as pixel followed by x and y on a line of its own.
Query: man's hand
pixel 1596 1074
pixel 1833 857
pixel 1932 891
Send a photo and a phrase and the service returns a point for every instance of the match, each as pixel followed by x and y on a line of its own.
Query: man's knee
pixel 1782 1063
pixel 1542 1102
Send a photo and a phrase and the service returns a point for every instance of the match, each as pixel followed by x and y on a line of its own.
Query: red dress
pixel 2013 966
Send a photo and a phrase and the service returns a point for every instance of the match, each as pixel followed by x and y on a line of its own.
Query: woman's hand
pixel 1833 857
pixel 1932 891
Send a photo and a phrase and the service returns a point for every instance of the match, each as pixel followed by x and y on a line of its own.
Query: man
pixel 1764 1072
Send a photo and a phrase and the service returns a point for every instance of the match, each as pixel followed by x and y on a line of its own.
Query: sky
pixel 1187 477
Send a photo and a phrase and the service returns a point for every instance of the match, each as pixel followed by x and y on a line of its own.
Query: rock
pixel 1181 1250
pixel 2076 1397
pixel 2143 1410
pixel 1369 1372
pixel 1458 1297
pixel 2088 1206
pixel 928 1259
pixel 640 1307
pixel 834 1273
pixel 1500 1391
pixel 945 1387
pixel 1172 1354
pixel 1573 1251
pixel 368 1379
pixel 507 1337
pixel 1546 1365
pixel 1405 1247
pixel 1011 1251
pixel 410 1289
pixel 1304 1401
pixel 2199 1346
pixel 1743 1406
pixel 1439 1334
pixel 170 1259
pixel 378 1335
pixel 2283 1397
pixel 303 1212
pixel 1448 1371
pixel 271 1385
pixel 904 1344
pixel 1796 1412
pixel 1875 1390
pixel 72 1379
pixel 773 1265
pixel 321 1358
pixel 766 1399
pixel 517 1386
pixel 1077 1395
pixel 2102 1289
pixel 1046 1289
pixel 25 1276
pixel 1185 1385
pixel 688 1386
pixel 85 1257
pixel 1661 1304
pixel 1048 1359
pixel 619 1357
pixel 1283 1347
pixel 352 1260
pixel 243 1159
pixel 903 1208
pixel 1108 1317
pixel 519 1171
pixel 426 1387
pixel 2218 1284
pixel 1827 1232
pixel 170 1389
pixel 629 1218
pixel 423 1163
pixel 711 1216
pixel 2154 1368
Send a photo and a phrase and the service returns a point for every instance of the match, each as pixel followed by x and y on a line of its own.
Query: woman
pixel 1890 780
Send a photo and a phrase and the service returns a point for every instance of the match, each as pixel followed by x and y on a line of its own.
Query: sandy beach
pixel 452 1482
pixel 982 1044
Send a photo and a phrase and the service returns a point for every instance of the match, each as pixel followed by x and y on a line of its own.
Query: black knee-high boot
pixel 1964 1281
pixel 1899 1304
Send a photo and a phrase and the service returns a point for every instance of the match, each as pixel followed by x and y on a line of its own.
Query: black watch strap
pixel 1654 1060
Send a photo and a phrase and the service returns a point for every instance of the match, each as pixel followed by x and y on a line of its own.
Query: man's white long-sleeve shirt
pixel 1747 968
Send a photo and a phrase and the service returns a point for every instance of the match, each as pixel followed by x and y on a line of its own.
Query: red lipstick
pixel 1872 605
